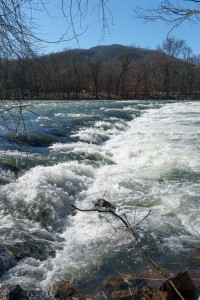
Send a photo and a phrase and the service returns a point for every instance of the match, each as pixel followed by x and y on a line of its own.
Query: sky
pixel 124 28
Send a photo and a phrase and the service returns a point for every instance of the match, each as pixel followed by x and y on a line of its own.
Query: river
pixel 142 156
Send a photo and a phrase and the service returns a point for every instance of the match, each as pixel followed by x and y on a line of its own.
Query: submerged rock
pixel 126 287
pixel 155 295
pixel 183 283
pixel 35 140
pixel 131 287
pixel 8 292
pixel 16 292
pixel 6 260
pixel 122 282
pixel 128 294
pixel 36 249
pixel 65 291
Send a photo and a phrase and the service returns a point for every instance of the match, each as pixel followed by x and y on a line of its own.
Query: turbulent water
pixel 141 156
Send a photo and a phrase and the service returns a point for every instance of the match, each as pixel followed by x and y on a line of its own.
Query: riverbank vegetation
pixel 171 71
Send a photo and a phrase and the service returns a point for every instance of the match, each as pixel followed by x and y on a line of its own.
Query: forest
pixel 171 71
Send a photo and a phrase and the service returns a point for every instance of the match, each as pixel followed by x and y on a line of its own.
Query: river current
pixel 142 156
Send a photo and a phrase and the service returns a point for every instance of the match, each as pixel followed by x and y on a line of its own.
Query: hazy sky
pixel 124 28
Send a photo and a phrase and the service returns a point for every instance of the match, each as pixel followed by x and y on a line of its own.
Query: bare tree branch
pixel 172 12
pixel 125 221
pixel 20 26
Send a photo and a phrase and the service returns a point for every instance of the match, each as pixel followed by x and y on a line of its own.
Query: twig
pixel 194 229
pixel 125 221
pixel 144 218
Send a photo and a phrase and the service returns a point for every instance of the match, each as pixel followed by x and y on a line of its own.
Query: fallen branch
pixel 125 221
pixel 144 218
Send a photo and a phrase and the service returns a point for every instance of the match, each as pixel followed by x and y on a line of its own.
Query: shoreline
pixel 103 96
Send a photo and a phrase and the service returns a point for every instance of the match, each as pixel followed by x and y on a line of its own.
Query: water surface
pixel 141 155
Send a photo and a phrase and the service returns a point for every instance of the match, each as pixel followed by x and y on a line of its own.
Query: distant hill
pixel 102 72
pixel 115 51
pixel 108 52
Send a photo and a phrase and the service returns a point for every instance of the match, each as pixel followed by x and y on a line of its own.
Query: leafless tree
pixel 125 61
pixel 20 26
pixel 172 12
pixel 20 31
pixel 173 47
pixel 94 66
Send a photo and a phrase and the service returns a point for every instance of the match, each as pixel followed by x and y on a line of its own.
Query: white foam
pixel 48 190
pixel 101 132
pixel 145 156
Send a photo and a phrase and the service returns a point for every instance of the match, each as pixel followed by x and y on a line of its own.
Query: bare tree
pixel 94 66
pixel 172 12
pixel 125 61
pixel 20 35
pixel 173 47
pixel 20 25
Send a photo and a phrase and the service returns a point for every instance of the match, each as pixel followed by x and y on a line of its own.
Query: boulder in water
pixel 124 287
pixel 104 204
pixel 8 292
pixel 65 291
pixel 16 292
pixel 6 260
pixel 184 285
pixel 129 294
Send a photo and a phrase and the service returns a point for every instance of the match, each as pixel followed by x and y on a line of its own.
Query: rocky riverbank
pixel 151 285
pixel 121 286
pixel 126 287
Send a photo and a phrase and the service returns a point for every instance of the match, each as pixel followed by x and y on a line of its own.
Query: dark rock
pixel 183 283
pixel 8 292
pixel 104 204
pixel 121 282
pixel 65 291
pixel 38 250
pixel 147 293
pixel 20 251
pixel 128 294
pixel 6 260
pixel 124 287
pixel 154 294
pixel 160 296
pixel 15 292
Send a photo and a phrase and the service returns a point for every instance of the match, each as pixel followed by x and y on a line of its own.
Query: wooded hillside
pixel 105 72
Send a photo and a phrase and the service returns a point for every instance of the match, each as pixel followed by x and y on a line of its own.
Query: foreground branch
pixel 125 221
pixel 174 13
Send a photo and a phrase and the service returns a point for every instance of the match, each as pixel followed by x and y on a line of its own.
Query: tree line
pixel 106 72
